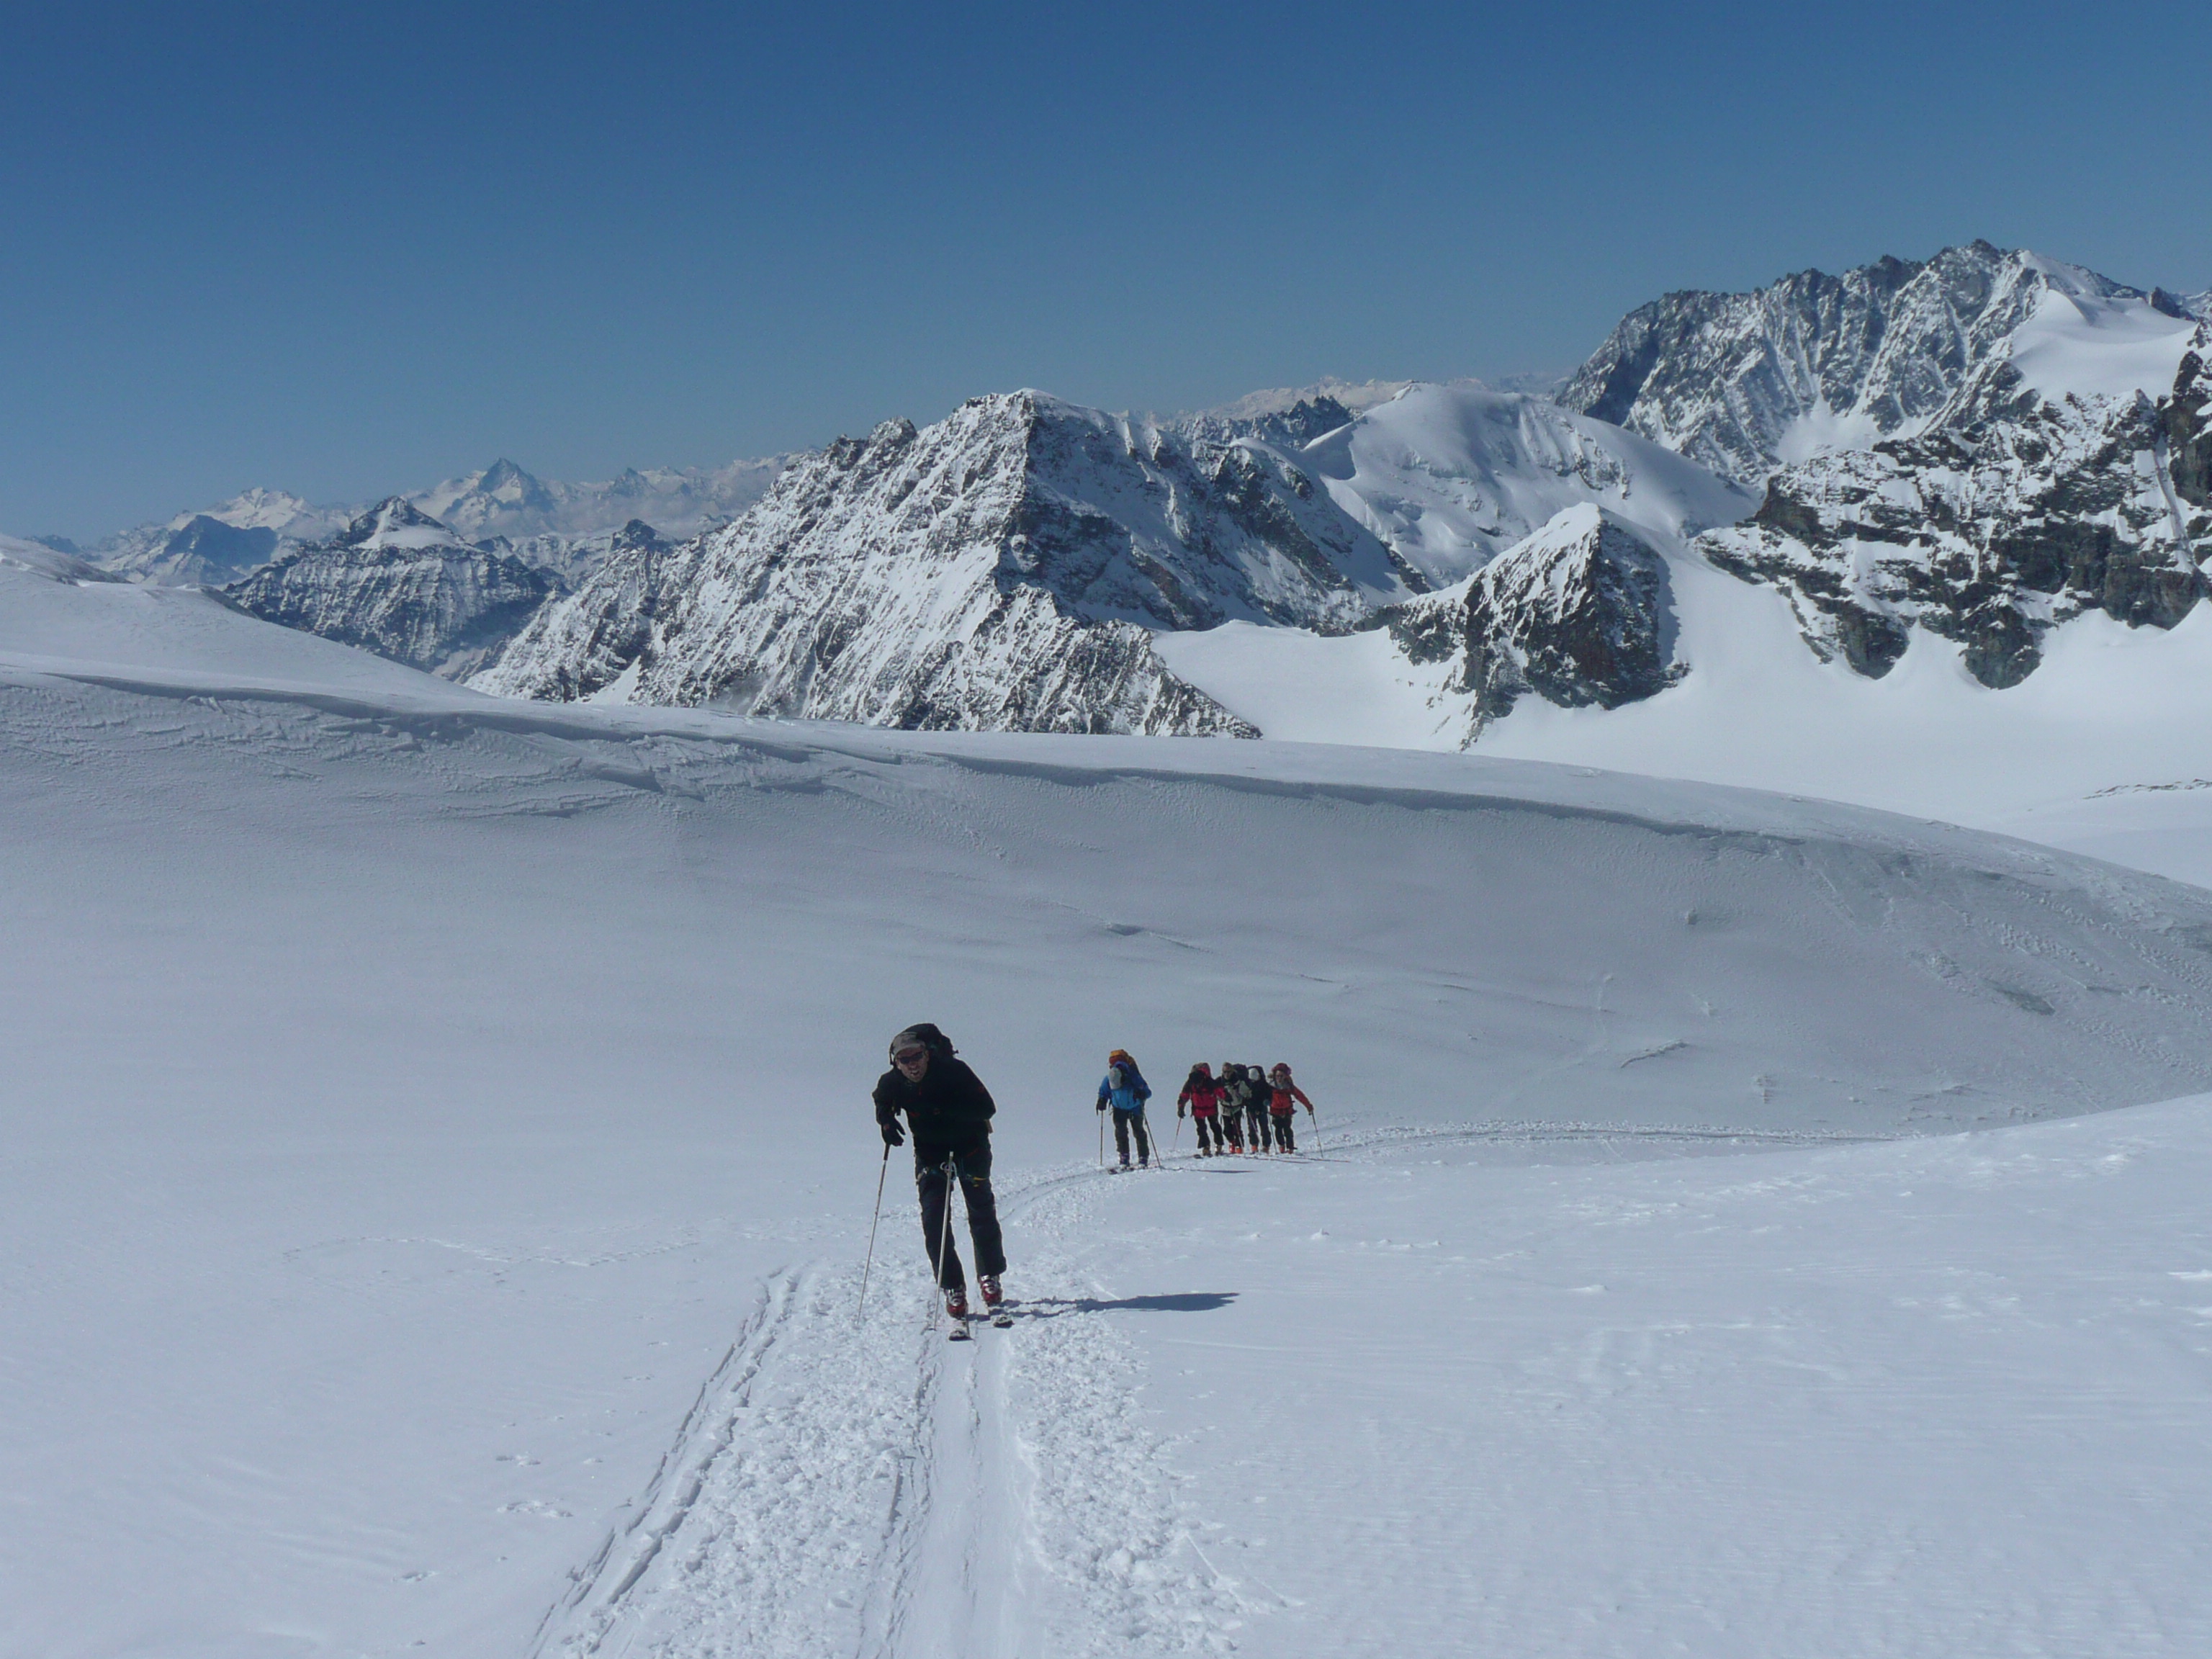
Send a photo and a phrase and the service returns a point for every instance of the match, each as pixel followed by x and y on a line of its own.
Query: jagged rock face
pixel 1738 381
pixel 573 558
pixel 1581 613
pixel 1294 427
pixel 2188 426
pixel 398 583
pixel 999 570
pixel 1992 531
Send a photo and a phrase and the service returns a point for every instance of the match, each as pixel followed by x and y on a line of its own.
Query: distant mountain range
pixel 565 527
pixel 1975 449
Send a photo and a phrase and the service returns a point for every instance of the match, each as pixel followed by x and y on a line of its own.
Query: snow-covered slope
pixel 1580 613
pixel 1450 476
pixel 57 612
pixel 464 1252
pixel 450 1230
pixel 398 583
pixel 1744 382
pixel 1000 570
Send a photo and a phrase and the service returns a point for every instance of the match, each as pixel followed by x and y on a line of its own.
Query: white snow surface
pixel 1452 476
pixel 2102 750
pixel 439 1169
pixel 2079 341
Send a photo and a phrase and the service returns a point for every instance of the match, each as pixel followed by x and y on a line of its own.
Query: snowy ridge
pixel 565 527
pixel 35 558
pixel 997 570
pixel 505 500
pixel 1450 477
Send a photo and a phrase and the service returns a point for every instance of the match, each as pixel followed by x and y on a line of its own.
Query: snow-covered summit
pixel 1000 568
pixel 221 544
pixel 395 522
pixel 564 527
pixel 1580 612
pixel 1448 476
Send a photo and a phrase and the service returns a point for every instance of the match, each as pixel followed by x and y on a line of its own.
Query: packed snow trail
pixel 868 1488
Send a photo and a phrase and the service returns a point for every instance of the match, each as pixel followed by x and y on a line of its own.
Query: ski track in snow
pixel 872 1488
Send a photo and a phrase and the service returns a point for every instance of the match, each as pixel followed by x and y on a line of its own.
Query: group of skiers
pixel 949 1112
pixel 1244 1104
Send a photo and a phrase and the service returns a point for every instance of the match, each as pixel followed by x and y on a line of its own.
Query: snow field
pixel 1496 1393
pixel 2071 756
pixel 438 1159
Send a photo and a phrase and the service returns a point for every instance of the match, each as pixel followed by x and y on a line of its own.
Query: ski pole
pixel 1102 1137
pixel 1178 1139
pixel 872 1221
pixel 943 1232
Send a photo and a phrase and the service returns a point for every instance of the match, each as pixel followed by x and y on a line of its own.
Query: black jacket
pixel 948 1111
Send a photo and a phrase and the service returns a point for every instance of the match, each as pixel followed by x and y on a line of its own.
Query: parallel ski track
pixel 848 1514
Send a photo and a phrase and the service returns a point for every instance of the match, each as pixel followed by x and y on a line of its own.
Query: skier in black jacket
pixel 949 1111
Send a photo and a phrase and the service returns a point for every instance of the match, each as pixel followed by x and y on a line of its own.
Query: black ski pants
pixel 1210 1138
pixel 1232 1125
pixel 973 1164
pixel 1258 1117
pixel 1286 1140
pixel 1123 1123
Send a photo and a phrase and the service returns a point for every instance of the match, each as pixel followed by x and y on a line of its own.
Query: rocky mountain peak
pixel 395 521
pixel 1580 613
pixel 1743 383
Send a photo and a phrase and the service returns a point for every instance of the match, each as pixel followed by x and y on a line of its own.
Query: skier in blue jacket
pixel 1124 1090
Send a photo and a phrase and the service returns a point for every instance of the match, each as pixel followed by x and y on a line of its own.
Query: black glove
pixel 1101 1105
pixel 893 1135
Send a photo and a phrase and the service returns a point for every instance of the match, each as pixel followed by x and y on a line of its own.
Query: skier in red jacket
pixel 1202 1096
pixel 1283 1104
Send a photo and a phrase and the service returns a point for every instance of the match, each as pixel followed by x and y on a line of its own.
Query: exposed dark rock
pixel 1581 614
pixel 1987 533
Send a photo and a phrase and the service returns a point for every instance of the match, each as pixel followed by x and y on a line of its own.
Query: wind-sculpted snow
pixel 997 571
pixel 1581 613
pixel 1743 382
pixel 400 584
pixel 2025 513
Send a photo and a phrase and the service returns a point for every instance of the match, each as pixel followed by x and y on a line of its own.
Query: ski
pixel 960 1333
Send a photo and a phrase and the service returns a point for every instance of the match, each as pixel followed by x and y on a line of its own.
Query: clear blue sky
pixel 346 249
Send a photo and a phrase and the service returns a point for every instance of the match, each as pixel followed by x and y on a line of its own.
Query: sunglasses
pixel 909 1056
